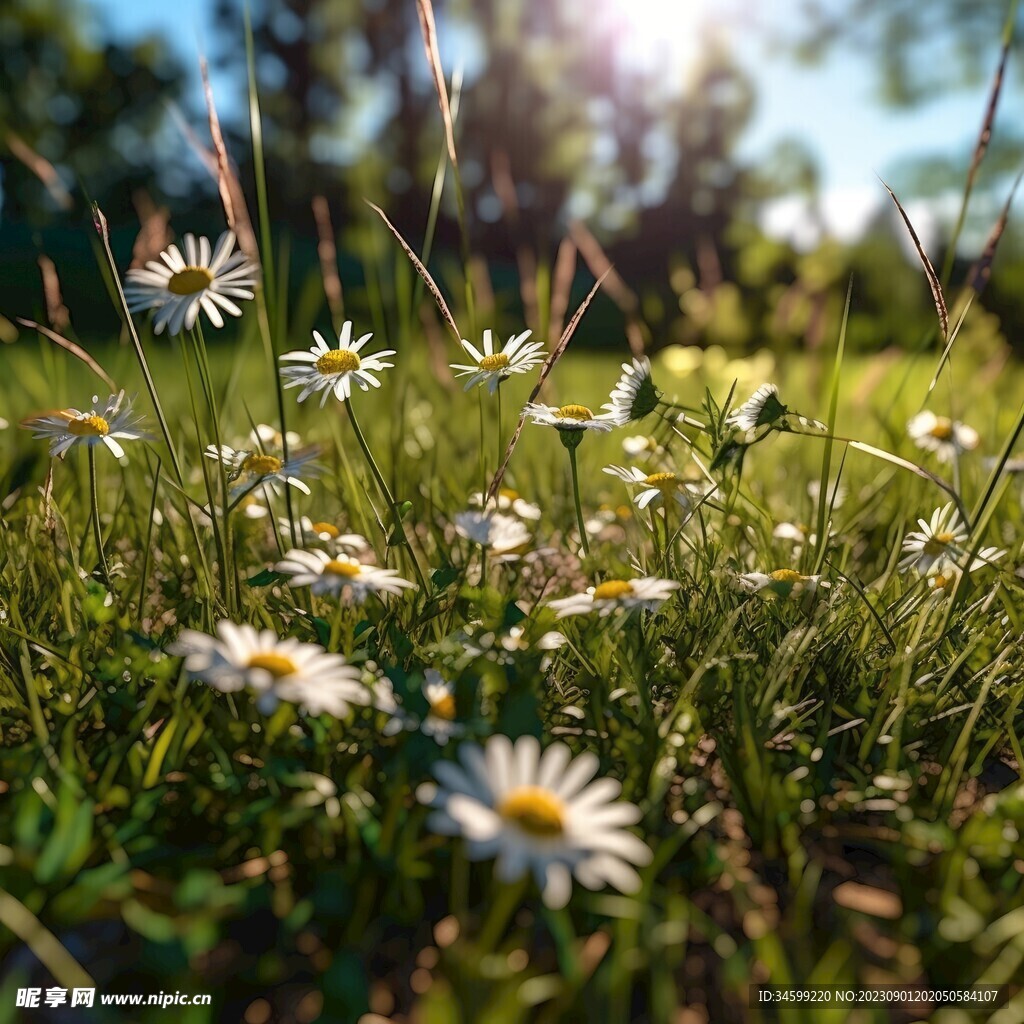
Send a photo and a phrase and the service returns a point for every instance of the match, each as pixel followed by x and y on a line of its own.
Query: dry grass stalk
pixel 76 350
pixel 41 168
pixel 56 312
pixel 929 270
pixel 231 196
pixel 327 251
pixel 549 364
pixel 421 270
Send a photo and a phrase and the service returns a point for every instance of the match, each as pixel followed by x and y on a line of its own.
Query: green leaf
pixel 444 577
pixel 265 578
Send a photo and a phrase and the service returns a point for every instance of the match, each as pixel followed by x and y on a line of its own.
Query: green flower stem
pixel 385 491
pixel 508 900
pixel 483 461
pixel 498 448
pixel 217 536
pixel 576 497
pixel 97 529
pixel 203 363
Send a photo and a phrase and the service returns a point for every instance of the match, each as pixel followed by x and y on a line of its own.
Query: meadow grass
pixel 827 776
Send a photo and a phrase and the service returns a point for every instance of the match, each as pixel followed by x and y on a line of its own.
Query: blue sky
pixel 832 107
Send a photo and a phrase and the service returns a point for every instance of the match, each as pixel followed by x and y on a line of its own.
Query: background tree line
pixel 553 130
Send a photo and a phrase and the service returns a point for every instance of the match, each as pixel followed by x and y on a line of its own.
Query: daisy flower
pixel 438 723
pixel 568 418
pixel 943 582
pixel 67 427
pixel 252 468
pixel 327 369
pixel 312 531
pixel 508 501
pixel 634 395
pixel 647 592
pixel 761 408
pixel 944 437
pixel 180 286
pixel 796 532
pixel 1012 465
pixel 781 582
pixel 835 493
pixel 339 575
pixel 264 436
pixel 640 444
pixel 491 368
pixel 938 543
pixel 504 536
pixel 540 813
pixel 239 657
pixel 657 487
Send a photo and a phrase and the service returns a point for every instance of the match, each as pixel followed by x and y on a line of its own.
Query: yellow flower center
pixel 329 528
pixel 612 590
pixel 664 482
pixel 338 360
pixel 574 412
pixel 508 494
pixel 943 429
pixel 89 426
pixel 261 465
pixel 190 280
pixel 341 567
pixel 534 810
pixel 443 707
pixel 785 576
pixel 276 664
pixel 939 582
pixel 496 362
pixel 937 545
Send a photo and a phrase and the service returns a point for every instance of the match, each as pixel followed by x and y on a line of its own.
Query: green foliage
pixel 778 747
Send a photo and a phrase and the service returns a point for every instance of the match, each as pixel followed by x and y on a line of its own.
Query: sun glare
pixel 662 34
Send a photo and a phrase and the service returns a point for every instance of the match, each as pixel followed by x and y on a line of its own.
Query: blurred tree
pixel 77 105
pixel 921 49
pixel 551 125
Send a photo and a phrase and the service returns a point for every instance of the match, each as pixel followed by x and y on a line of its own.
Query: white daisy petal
pixel 530 811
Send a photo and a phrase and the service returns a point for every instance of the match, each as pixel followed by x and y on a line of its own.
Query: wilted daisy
pixel 334 370
pixel 945 437
pixel 520 355
pixel 239 657
pixel 655 488
pixel 647 592
pixel 539 813
pixel 763 407
pixel 339 575
pixel 311 531
pixel 66 428
pixel 504 536
pixel 508 501
pixel 439 721
pixel 780 582
pixel 634 395
pixel 180 286
pixel 253 469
